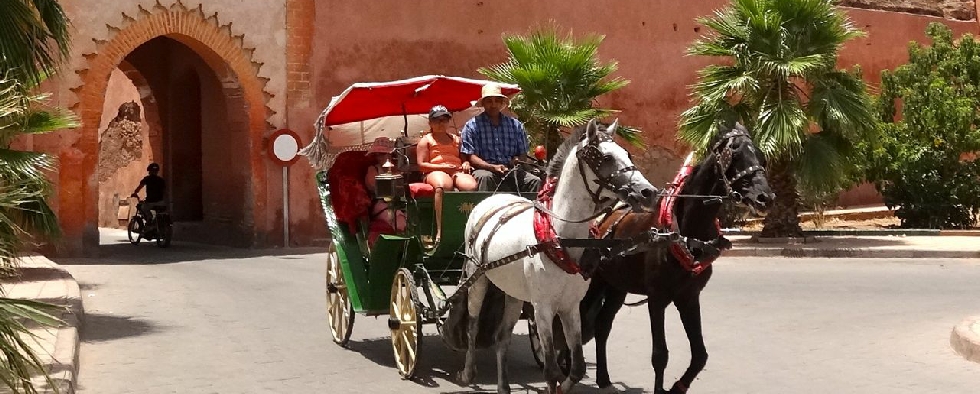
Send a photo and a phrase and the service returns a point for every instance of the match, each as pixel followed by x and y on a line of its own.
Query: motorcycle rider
pixel 156 187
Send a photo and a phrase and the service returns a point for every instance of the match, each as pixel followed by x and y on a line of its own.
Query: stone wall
pixel 124 150
pixel 960 10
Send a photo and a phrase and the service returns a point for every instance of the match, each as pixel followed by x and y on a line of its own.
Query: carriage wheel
pixel 340 312
pixel 405 323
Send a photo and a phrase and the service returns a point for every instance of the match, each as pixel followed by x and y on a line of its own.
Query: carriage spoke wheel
pixel 340 312
pixel 405 323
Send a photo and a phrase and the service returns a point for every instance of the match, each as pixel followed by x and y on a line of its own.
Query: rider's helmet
pixel 153 167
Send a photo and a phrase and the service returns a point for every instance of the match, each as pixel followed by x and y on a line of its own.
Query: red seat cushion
pixel 421 190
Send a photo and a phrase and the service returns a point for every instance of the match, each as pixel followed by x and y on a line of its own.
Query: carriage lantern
pixel 390 186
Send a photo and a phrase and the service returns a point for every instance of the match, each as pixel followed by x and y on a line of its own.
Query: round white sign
pixel 285 147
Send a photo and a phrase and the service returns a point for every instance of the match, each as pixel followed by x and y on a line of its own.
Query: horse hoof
pixel 678 388
pixel 465 378
pixel 566 386
pixel 610 389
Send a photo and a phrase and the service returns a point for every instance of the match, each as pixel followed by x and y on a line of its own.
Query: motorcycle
pixel 158 228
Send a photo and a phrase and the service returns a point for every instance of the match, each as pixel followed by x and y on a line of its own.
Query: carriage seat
pixel 421 190
pixel 410 168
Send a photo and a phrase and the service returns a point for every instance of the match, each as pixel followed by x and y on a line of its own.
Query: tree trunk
pixel 782 219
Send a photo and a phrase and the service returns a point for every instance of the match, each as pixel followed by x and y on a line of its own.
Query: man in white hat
pixel 493 143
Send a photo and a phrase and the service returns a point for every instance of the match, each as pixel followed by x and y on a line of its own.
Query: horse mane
pixel 723 128
pixel 554 166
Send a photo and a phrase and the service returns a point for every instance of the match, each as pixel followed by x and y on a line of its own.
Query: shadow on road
pixel 115 249
pixel 101 328
pixel 438 366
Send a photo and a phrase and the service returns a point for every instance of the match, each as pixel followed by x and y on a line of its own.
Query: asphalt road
pixel 199 319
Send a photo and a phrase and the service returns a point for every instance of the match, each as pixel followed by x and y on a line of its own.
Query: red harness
pixel 545 233
pixel 665 220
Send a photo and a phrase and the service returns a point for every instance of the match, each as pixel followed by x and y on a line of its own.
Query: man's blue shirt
pixel 494 144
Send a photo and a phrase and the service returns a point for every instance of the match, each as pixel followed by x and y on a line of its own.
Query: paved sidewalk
pixel 866 246
pixel 57 348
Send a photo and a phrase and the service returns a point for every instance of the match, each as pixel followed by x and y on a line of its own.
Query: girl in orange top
pixel 438 157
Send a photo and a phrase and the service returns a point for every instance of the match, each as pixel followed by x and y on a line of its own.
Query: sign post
pixel 284 150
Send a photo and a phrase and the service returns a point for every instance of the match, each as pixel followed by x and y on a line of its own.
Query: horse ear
pixel 611 130
pixel 591 129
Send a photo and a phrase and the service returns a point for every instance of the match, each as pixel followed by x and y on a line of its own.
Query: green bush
pixel 929 111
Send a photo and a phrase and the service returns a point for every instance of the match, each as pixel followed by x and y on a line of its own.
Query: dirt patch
pixel 840 224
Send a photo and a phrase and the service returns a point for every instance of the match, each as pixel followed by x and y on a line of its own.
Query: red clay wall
pixel 376 41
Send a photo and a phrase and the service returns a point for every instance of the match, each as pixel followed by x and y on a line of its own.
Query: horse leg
pixel 690 312
pixel 571 321
pixel 611 305
pixel 512 313
pixel 656 307
pixel 544 316
pixel 474 299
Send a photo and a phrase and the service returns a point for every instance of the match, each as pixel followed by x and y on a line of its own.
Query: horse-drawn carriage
pixel 527 247
pixel 383 269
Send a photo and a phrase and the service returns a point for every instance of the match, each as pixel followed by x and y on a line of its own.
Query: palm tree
pixel 560 78
pixel 34 40
pixel 777 75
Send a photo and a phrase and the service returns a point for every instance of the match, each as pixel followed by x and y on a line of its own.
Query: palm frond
pixel 34 38
pixel 781 122
pixel 699 124
pixel 560 77
pixel 840 101
pixel 39 122
pixel 631 135
pixel 825 164
pixel 20 360
pixel 716 82
pixel 23 165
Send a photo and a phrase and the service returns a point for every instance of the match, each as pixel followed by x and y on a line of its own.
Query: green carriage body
pixel 390 276
pixel 369 272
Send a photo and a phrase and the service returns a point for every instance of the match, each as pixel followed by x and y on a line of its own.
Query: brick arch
pixel 231 63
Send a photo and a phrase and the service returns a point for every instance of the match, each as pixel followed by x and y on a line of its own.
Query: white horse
pixel 595 172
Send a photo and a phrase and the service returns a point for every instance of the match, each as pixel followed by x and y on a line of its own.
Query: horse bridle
pixel 592 157
pixel 725 160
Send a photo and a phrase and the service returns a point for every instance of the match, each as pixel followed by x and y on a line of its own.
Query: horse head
pixel 742 168
pixel 609 172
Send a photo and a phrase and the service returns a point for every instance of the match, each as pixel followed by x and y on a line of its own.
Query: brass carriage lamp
pixel 389 185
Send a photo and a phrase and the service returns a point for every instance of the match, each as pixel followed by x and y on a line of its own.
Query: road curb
pixel 965 339
pixel 850 253
pixel 63 368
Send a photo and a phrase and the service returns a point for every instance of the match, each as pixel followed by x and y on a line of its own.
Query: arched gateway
pixel 237 100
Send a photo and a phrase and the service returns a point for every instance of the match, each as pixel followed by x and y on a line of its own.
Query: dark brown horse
pixel 732 169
